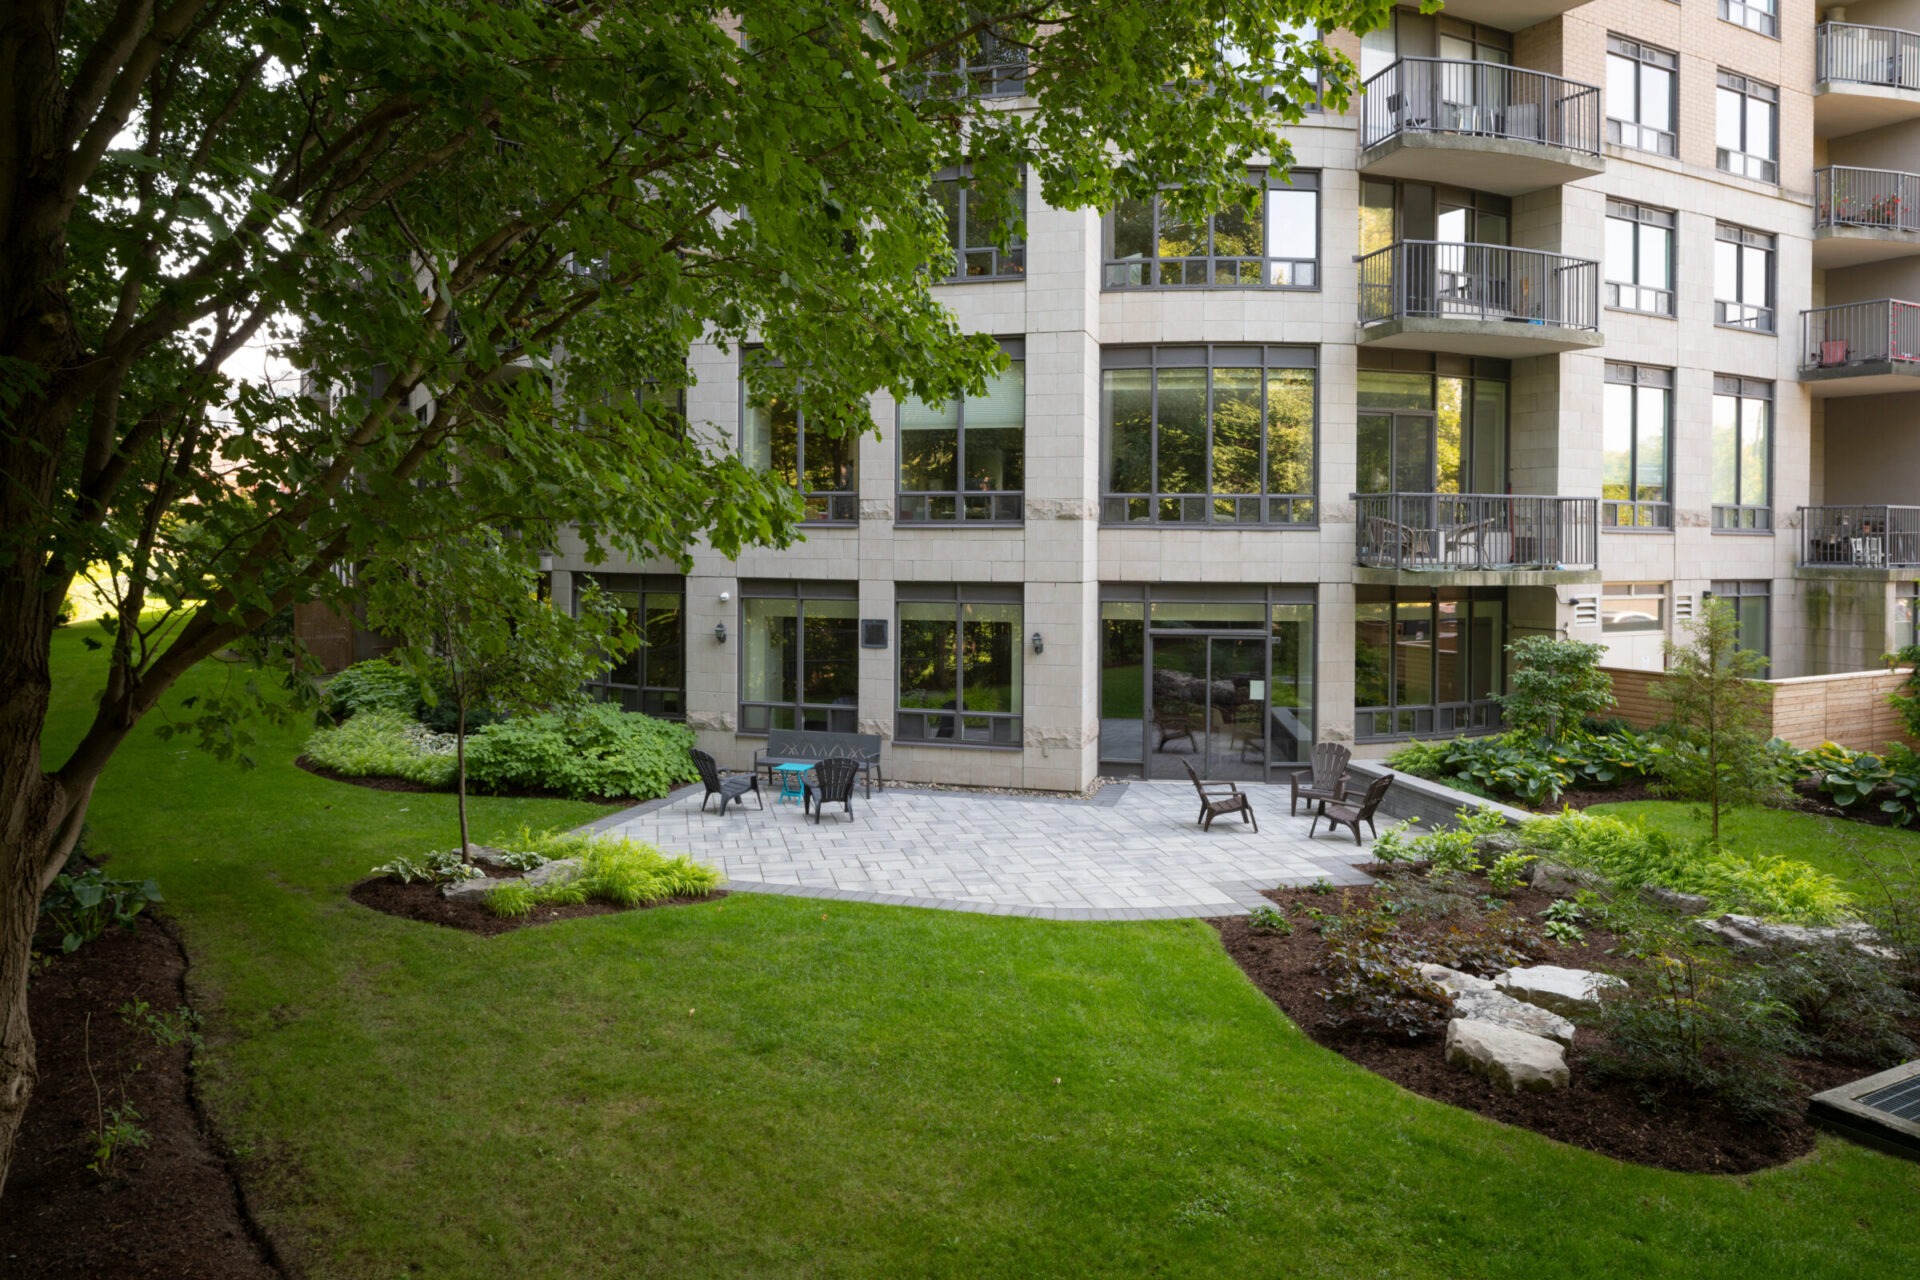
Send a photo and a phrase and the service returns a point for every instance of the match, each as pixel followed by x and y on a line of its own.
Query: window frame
pixel 1477 714
pixel 1750 16
pixel 1638 216
pixel 801 591
pixel 1006 264
pixel 1747 90
pixel 839 506
pixel 1005 508
pixel 916 726
pixel 606 689
pixel 1641 54
pixel 1116 510
pixel 1758 318
pixel 1635 592
pixel 1115 269
pixel 1652 515
pixel 1743 517
pixel 1744 594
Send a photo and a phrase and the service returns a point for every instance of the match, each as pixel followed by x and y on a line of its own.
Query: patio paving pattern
pixel 1133 852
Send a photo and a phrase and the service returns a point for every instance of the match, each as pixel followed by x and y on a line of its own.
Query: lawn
pixel 1831 844
pixel 771 1086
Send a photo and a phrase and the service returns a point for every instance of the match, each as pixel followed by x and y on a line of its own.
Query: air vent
pixel 1682 608
pixel 1586 611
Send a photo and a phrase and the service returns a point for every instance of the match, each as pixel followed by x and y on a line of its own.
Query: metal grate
pixel 1901 1100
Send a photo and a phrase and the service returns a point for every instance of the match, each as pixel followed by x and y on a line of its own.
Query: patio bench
pixel 804 746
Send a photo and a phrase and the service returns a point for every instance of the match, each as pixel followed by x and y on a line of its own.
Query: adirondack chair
pixel 728 784
pixel 831 782
pixel 1339 814
pixel 1215 801
pixel 1328 781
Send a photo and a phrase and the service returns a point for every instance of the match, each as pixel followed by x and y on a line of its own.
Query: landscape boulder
pixel 558 871
pixel 1454 981
pixel 1564 882
pixel 1516 1015
pixel 1755 936
pixel 1516 1059
pixel 1563 991
pixel 467 890
pixel 1687 904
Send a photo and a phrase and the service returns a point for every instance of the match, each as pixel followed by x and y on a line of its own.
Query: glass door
pixel 1209 707
pixel 1395 452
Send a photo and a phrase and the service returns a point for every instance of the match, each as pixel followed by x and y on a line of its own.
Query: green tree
pixel 420 203
pixel 1716 748
pixel 474 629
pixel 1551 684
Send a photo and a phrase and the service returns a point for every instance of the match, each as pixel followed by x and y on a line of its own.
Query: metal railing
pixel 972 506
pixel 1479 282
pixel 1480 99
pixel 1886 199
pixel 1867 537
pixel 1465 531
pixel 1855 333
pixel 1848 53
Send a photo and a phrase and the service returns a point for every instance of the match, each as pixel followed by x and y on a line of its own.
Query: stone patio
pixel 1133 852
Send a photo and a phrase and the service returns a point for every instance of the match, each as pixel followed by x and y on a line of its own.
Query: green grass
pixel 773 1086
pixel 1829 844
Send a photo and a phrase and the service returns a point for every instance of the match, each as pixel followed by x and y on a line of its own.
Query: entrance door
pixel 1396 452
pixel 1208 707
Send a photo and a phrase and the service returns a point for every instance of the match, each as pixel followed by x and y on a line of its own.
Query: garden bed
pixel 172 1208
pixel 1685 1133
pixel 380 782
pixel 423 901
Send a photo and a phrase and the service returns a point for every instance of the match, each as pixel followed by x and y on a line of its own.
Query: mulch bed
pixel 1687 1134
pixel 403 784
pixel 423 902
pixel 170 1209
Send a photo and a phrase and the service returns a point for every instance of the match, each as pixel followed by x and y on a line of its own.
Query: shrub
pixel 1692 1024
pixel 440 867
pixel 1269 919
pixel 1451 850
pixel 1861 778
pixel 383 744
pixel 1906 700
pixel 1890 902
pixel 1846 1003
pixel 1552 683
pixel 1713 751
pixel 1373 976
pixel 1489 944
pixel 82 907
pixel 374 685
pixel 1508 871
pixel 612 869
pixel 596 750
pixel 510 899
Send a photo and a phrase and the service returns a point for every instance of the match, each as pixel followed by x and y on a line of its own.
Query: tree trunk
pixel 460 779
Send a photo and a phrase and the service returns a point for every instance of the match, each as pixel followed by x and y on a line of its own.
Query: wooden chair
pixel 1328 779
pixel 728 784
pixel 1214 801
pixel 1339 814
pixel 831 782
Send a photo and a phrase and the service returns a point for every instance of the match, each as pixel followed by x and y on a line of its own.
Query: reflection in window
pixel 1742 438
pixel 1642 94
pixel 966 459
pixel 974 235
pixel 775 436
pixel 1752 605
pixel 1629 607
pixel 799 657
pixel 1277 246
pixel 1427 662
pixel 1639 266
pixel 1636 424
pixel 960 665
pixel 1743 278
pixel 653 678
pixel 1746 127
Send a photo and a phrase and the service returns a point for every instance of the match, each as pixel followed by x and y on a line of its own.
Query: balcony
pixel 1476 538
pixel 1510 15
pixel 1479 124
pixel 1864 215
pixel 1861 348
pixel 1864 77
pixel 1478 300
pixel 1861 537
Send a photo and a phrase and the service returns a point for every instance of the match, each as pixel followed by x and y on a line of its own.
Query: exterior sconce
pixel 720 632
pixel 1039 645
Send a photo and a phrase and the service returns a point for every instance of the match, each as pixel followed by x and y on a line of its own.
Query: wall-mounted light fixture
pixel 1039 645
pixel 725 596
pixel 720 632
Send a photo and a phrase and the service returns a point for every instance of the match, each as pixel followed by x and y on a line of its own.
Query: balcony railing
pixel 1455 281
pixel 1860 537
pixel 1845 52
pixel 1881 199
pixel 1480 99
pixel 1476 531
pixel 1858 333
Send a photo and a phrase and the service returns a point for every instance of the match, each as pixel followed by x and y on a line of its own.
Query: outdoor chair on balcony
pixel 1339 813
pixel 1327 780
pixel 831 782
pixel 728 784
pixel 1217 798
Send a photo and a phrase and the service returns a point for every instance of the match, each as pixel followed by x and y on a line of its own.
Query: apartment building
pixel 1582 314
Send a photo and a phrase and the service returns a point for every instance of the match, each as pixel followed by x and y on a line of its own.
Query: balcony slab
pixel 1505 166
pixel 1510 15
pixel 1868 378
pixel 1369 575
pixel 1506 339
pixel 1841 107
pixel 1854 246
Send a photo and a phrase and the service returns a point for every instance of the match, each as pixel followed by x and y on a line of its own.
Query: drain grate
pixel 1902 1100
pixel 1882 1110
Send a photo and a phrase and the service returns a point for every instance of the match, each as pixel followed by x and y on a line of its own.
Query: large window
pixel 1627 608
pixel 1643 87
pixel 775 436
pixel 799 656
pixel 1427 661
pixel 1752 604
pixel 1746 127
pixel 961 651
pixel 1636 426
pixel 975 234
pixel 1742 454
pixel 1277 246
pixel 966 459
pixel 1754 15
pixel 1906 615
pixel 653 678
pixel 1639 267
pixel 1743 278
pixel 1443 431
pixel 1207 435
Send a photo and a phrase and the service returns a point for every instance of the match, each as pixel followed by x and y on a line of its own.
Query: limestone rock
pixel 1516 1015
pixel 1455 981
pixel 558 871
pixel 1564 882
pixel 1687 904
pixel 1760 937
pixel 467 890
pixel 1513 1058
pixel 488 856
pixel 1564 991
